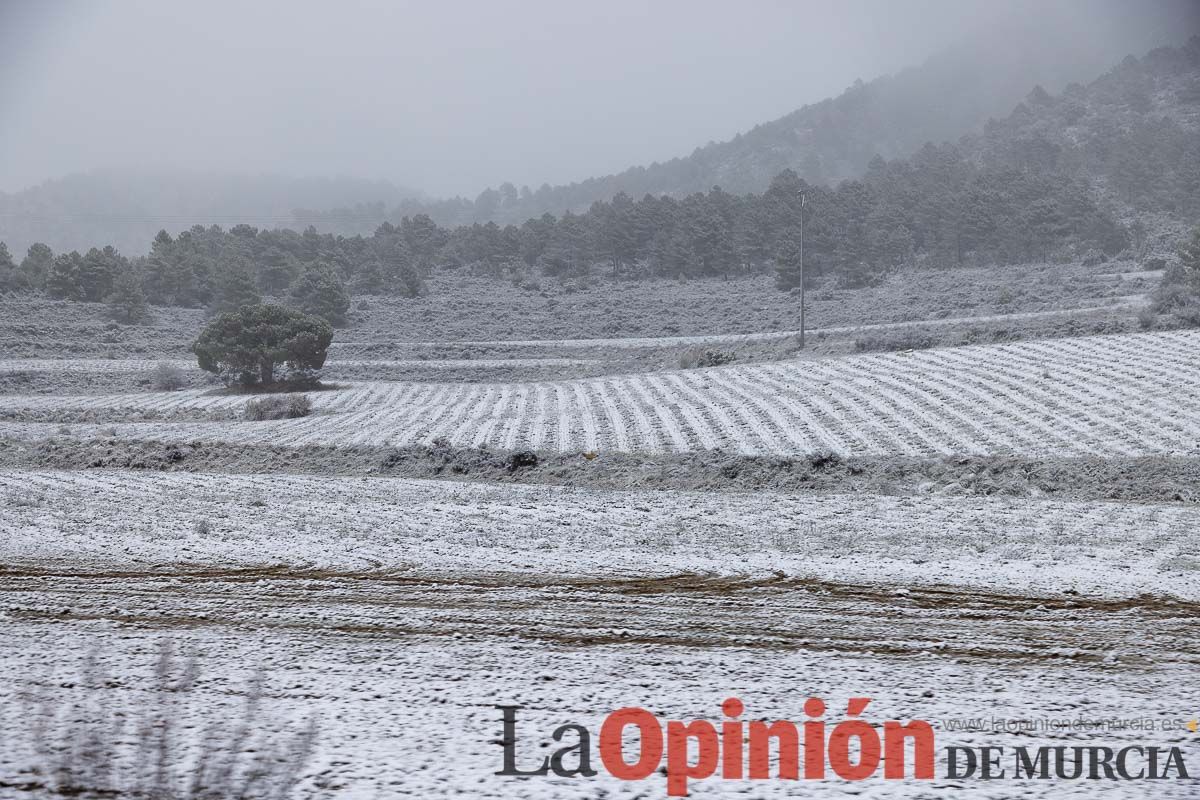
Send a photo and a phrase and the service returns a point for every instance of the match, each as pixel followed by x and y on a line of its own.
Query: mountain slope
pixel 944 98
pixel 1134 133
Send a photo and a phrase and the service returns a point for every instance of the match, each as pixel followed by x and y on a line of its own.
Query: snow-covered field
pixel 115 520
pixel 401 612
pixel 1104 395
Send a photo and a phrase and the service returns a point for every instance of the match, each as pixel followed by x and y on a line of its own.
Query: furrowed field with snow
pixel 398 612
pixel 1108 395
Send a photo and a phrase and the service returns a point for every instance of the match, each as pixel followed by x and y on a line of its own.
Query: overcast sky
pixel 445 96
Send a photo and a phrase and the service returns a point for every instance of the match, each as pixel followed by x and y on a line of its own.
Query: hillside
pixel 127 207
pixel 948 96
pixel 1134 132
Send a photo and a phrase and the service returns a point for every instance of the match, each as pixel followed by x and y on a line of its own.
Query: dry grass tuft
pixel 87 744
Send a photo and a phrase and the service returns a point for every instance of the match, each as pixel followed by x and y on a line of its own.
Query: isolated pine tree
pixel 246 346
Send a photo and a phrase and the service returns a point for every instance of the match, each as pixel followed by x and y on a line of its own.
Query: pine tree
pixel 35 267
pixel 11 279
pixel 63 281
pixel 320 293
pixel 369 277
pixel 787 262
pixel 127 302
pixel 235 288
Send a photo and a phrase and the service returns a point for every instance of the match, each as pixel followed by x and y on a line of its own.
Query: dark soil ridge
pixel 1169 479
pixel 966 600
pixel 773 613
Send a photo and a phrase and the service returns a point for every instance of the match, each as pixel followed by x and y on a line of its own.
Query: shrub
pixel 167 377
pixel 278 407
pixel 900 339
pixel 696 357
pixel 91 741
pixel 409 282
pixel 858 275
pixel 1178 293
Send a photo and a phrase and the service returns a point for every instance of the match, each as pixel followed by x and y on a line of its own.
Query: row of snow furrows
pixel 88 364
pixel 968 400
pixel 460 362
pixel 148 401
pixel 647 412
pixel 113 503
pixel 1092 401
pixel 963 400
pixel 1102 400
pixel 333 400
pixel 132 503
pixel 1157 367
pixel 732 409
pixel 1084 405
pixel 360 416
pixel 120 502
pixel 880 404
pixel 148 365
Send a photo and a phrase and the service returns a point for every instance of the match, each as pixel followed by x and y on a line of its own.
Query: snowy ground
pixel 400 612
pixel 144 522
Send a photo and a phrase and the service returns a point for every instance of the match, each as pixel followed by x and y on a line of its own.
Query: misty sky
pixel 447 97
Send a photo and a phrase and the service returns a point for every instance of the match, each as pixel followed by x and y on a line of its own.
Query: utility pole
pixel 801 270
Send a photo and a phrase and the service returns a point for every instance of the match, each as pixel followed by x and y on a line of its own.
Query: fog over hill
pixel 996 58
pixel 951 94
pixel 127 207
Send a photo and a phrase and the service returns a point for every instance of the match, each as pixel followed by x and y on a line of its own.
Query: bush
pixel 899 339
pixel 859 275
pixel 1178 293
pixel 278 407
pixel 167 377
pixel 89 740
pixel 696 357
pixel 409 282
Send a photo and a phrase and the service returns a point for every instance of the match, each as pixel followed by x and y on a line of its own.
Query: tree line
pixel 937 208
